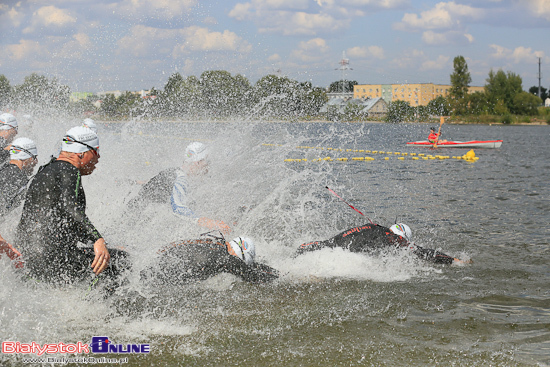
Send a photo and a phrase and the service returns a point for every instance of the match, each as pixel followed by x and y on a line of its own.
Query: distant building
pixel 375 107
pixel 365 107
pixel 416 94
pixel 547 102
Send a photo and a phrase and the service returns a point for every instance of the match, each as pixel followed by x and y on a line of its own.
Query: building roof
pixel 341 103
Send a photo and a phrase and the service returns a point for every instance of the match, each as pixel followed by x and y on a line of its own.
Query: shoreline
pixel 534 123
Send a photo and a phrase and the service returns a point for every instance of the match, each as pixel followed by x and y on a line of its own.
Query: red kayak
pixel 459 144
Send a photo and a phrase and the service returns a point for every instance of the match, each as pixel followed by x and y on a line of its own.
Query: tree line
pixel 214 95
pixel 219 95
pixel 503 96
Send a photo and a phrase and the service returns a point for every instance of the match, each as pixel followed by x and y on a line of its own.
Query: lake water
pixel 330 308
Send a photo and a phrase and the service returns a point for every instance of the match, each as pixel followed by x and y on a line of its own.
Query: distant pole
pixel 540 77
pixel 344 66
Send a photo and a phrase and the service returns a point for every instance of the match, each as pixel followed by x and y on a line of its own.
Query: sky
pixel 106 45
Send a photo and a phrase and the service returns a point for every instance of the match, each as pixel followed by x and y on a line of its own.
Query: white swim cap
pixel 80 139
pixel 402 230
pixel 195 152
pixel 90 124
pixel 23 148
pixel 7 121
pixel 244 249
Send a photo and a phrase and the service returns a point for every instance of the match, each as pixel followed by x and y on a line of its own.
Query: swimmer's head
pixel 243 248
pixel 402 230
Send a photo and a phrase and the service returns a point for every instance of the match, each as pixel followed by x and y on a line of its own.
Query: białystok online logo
pixel 98 345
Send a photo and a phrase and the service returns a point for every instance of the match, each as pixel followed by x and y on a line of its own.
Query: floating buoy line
pixel 468 157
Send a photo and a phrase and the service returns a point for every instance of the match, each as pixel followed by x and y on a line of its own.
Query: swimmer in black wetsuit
pixel 8 131
pixel 54 221
pixel 192 260
pixel 13 181
pixel 15 175
pixel 373 237
pixel 171 186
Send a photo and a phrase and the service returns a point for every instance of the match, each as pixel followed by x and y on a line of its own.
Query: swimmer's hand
pixel 102 257
pixel 457 261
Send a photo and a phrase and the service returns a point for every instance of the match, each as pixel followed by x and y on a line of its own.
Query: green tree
pixel 353 111
pixel 37 90
pixel 222 94
pixel 460 81
pixel 526 104
pixel 342 86
pixel 129 105
pixel 479 104
pixel 313 99
pixel 543 92
pixel 278 96
pixel 399 111
pixel 5 91
pixel 109 105
pixel 173 101
pixel 421 113
pixel 439 106
pixel 501 88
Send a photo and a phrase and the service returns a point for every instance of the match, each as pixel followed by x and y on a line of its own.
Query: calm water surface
pixel 329 308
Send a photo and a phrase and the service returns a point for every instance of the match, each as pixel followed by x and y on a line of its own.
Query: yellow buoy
pixel 469 155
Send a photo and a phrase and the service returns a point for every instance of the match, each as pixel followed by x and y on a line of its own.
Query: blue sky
pixel 102 45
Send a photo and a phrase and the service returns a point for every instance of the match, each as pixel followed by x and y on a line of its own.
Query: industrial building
pixel 416 94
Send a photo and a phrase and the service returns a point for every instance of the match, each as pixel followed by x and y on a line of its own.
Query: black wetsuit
pixel 182 262
pixel 53 222
pixel 12 184
pixel 371 238
pixel 157 190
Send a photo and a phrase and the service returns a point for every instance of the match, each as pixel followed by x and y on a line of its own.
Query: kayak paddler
pixel 433 137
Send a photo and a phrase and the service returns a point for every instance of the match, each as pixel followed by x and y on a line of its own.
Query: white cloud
pixel 25 50
pixel 274 58
pixel 446 38
pixel 241 12
pixel 438 64
pixel 517 55
pixel 376 52
pixel 305 17
pixel 409 60
pixel 10 17
pixel 149 42
pixel 388 4
pixel 50 17
pixel 540 8
pixel 152 9
pixel 300 23
pixel 77 47
pixel 210 20
pixel 201 39
pixel 443 16
pixel 311 51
